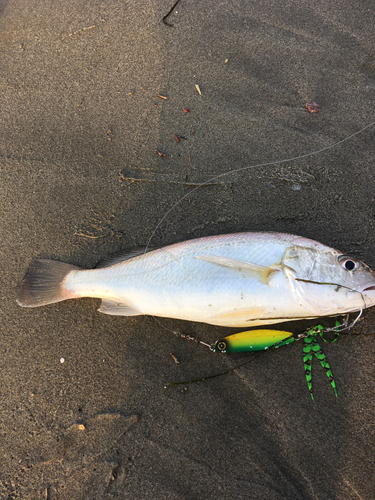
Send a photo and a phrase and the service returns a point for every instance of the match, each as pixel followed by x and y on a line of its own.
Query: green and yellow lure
pixel 259 340
pixel 252 340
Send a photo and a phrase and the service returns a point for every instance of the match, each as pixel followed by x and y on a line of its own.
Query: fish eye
pixel 348 263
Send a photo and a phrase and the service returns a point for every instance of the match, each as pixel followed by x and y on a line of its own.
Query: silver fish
pixel 236 280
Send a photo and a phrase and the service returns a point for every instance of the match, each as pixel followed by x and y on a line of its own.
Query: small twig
pixel 90 236
pixel 83 29
pixel 175 359
pixel 170 12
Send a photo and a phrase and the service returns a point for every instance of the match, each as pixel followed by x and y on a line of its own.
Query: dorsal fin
pixel 120 256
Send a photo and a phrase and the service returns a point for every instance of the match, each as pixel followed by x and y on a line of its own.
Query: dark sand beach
pixel 85 413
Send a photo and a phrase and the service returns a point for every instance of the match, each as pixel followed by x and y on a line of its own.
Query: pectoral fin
pixel 117 308
pixel 258 272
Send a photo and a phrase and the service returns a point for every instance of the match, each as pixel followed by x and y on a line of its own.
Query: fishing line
pixel 181 335
pixel 345 325
pixel 168 384
pixel 277 162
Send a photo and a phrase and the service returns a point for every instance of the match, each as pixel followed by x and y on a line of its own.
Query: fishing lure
pixel 258 340
pixel 252 340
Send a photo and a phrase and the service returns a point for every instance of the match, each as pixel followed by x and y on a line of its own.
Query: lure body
pixel 254 340
pixel 236 280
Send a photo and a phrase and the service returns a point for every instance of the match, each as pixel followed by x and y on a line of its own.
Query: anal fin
pixel 117 308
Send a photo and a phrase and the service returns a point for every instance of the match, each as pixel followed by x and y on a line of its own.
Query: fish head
pixel 327 281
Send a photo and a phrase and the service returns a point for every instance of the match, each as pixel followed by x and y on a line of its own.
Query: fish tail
pixel 43 283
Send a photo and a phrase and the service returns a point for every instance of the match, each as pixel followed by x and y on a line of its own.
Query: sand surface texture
pixel 84 411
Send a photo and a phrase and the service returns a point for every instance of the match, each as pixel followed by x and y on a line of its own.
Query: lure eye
pixel 221 346
pixel 348 264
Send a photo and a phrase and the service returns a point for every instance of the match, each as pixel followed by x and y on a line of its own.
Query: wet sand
pixel 84 409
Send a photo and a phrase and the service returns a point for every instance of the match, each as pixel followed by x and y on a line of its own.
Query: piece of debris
pixel 226 60
pixel 177 138
pixel 198 89
pixel 162 155
pixel 83 29
pixel 91 236
pixel 186 110
pixel 169 12
pixel 312 107
pixel 175 359
pixel 162 96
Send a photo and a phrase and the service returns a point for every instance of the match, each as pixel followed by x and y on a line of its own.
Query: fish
pixel 232 280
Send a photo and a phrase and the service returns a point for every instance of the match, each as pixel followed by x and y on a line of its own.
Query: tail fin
pixel 42 283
